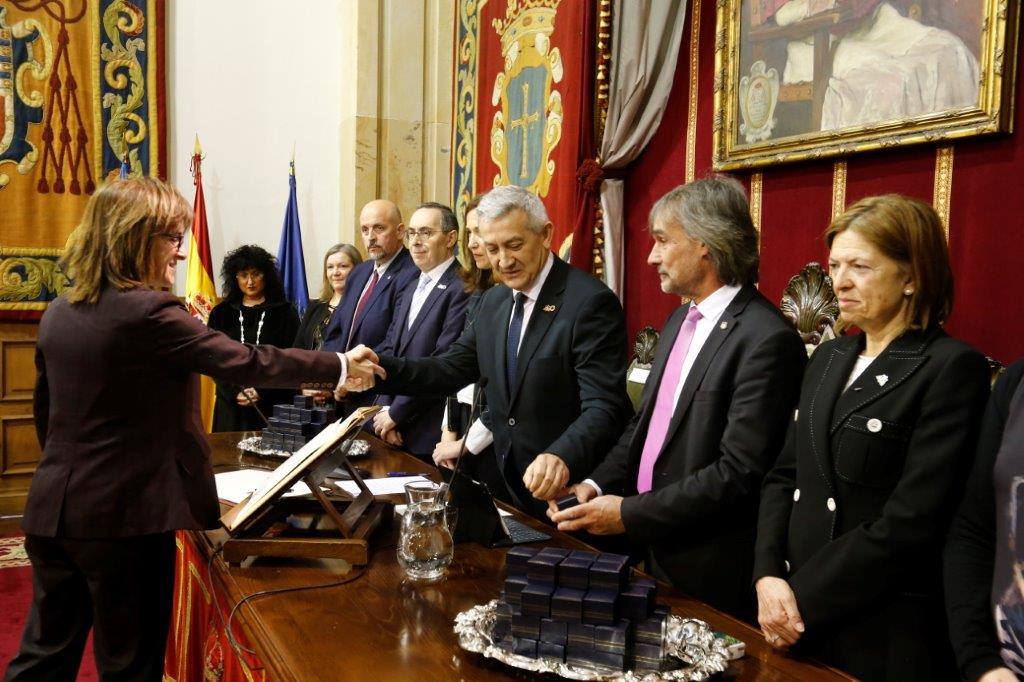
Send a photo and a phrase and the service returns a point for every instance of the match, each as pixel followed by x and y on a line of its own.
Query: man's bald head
pixel 380 223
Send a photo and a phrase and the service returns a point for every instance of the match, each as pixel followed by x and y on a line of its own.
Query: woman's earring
pixel 908 292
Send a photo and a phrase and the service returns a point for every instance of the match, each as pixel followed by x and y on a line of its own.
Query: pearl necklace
pixel 241 326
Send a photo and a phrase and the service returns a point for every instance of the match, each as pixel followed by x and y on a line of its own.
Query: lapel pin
pixel 723 325
pixel 881 379
pixel 874 425
pixel 549 308
pixel 442 286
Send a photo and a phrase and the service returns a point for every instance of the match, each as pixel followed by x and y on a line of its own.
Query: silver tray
pixel 254 444
pixel 701 651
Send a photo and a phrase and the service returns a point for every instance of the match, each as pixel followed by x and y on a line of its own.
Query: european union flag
pixel 289 252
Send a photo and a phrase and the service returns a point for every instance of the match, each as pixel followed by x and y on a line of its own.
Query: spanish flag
pixel 200 291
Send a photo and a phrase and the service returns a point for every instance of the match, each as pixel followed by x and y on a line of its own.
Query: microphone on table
pixel 252 404
pixel 473 409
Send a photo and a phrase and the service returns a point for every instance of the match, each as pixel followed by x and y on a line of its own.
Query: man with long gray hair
pixel 550 341
pixel 683 481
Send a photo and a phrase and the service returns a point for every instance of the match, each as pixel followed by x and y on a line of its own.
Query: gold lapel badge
pixel 549 308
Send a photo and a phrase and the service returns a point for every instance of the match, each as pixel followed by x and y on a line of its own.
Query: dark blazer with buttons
pixel 569 395
pixel 855 512
pixel 696 525
pixel 117 413
pixel 372 326
pixel 437 325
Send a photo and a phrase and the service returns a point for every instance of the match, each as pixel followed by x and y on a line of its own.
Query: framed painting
pixel 807 79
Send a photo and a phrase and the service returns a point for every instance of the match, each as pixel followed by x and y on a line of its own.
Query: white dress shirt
pixel 381 268
pixel 862 363
pixel 711 309
pixel 426 282
pixel 479 436
pixel 531 296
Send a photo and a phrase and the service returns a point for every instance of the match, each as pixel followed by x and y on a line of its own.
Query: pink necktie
pixel 664 404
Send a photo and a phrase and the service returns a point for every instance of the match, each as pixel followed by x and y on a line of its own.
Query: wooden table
pixel 382 626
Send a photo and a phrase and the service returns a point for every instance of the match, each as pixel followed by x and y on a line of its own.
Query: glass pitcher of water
pixel 425 546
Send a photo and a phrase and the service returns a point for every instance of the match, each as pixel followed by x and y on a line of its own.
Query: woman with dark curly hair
pixel 254 310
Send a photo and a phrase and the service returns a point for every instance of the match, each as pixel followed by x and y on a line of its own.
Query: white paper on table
pixel 234 486
pixel 392 485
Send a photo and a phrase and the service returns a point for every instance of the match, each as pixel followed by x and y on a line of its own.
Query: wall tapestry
pixel 517 106
pixel 815 78
pixel 81 90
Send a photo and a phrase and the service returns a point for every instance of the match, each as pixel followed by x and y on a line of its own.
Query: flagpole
pixel 200 291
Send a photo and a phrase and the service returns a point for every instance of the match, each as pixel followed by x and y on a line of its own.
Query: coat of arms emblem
pixel 528 125
pixel 759 93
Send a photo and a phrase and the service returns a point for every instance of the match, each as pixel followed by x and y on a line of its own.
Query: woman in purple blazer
pixel 125 461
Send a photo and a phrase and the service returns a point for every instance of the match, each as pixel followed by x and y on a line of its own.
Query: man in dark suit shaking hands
pixel 683 480
pixel 550 341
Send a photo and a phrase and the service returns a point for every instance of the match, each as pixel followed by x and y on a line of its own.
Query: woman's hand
pixel 247 396
pixel 777 613
pixel 998 675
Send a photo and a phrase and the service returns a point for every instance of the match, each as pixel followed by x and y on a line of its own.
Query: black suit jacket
pixel 117 413
pixel 438 324
pixel 698 520
pixel 372 326
pixel 855 512
pixel 569 396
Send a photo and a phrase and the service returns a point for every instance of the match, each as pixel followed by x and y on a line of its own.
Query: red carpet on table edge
pixel 16 588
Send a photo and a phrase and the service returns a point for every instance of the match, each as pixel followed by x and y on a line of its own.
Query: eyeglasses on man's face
pixel 422 233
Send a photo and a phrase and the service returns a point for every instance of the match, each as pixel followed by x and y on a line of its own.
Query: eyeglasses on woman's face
pixel 174 238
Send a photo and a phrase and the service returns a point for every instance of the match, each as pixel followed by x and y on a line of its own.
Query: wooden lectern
pixel 258 525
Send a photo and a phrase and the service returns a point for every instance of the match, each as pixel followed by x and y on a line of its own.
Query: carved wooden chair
pixel 640 367
pixel 811 305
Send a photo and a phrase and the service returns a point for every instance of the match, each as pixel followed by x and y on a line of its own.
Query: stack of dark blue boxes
pixel 292 426
pixel 579 608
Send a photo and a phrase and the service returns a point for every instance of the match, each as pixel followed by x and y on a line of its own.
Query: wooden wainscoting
pixel 19 448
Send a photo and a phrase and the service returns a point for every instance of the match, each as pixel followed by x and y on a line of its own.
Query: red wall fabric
pixel 985 233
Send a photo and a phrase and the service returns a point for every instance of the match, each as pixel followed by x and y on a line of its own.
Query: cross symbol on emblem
pixel 524 121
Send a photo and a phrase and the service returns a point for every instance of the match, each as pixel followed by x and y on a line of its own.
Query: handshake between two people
pixel 363 369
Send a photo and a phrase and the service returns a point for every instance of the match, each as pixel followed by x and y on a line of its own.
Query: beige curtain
pixel 646 35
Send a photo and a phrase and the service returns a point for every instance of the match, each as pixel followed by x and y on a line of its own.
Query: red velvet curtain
pixel 588 172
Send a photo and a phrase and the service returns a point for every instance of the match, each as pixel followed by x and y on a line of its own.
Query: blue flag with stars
pixel 289 252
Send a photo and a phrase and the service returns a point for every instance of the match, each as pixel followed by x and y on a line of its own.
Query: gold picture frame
pixel 782 96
